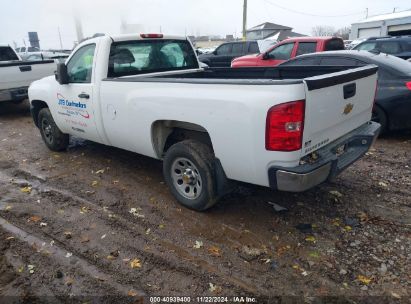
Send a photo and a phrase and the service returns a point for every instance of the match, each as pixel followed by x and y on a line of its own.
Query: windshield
pixel 148 56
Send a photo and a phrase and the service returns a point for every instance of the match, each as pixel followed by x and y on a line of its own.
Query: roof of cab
pixel 137 36
pixel 310 38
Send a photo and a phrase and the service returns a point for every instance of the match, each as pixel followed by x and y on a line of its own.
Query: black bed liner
pixel 259 76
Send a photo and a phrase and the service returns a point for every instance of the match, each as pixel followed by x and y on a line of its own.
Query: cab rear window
pixel 149 56
pixel 334 45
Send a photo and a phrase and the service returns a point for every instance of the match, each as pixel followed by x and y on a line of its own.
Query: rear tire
pixel 189 171
pixel 54 139
pixel 378 115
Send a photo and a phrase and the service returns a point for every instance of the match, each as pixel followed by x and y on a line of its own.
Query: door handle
pixel 26 68
pixel 349 90
pixel 84 95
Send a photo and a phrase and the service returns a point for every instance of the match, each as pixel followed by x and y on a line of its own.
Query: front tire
pixel 54 139
pixel 189 171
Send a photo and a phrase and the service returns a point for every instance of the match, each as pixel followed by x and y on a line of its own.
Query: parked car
pixel 226 52
pixel 148 95
pixel 26 51
pixel 29 53
pixel 289 48
pixel 397 46
pixel 41 56
pixel 355 42
pixel 393 96
pixel 16 75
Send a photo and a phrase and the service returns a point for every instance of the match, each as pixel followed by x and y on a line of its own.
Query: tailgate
pixel 336 104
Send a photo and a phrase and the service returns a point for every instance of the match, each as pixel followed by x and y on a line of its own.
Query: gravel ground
pixel 98 224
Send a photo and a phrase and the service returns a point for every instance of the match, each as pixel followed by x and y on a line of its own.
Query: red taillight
pixel 284 126
pixel 408 84
pixel 151 35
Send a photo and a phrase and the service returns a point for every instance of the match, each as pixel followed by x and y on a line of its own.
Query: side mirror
pixel 214 52
pixel 61 74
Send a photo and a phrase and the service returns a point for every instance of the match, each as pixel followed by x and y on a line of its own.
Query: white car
pixel 16 75
pixel 285 128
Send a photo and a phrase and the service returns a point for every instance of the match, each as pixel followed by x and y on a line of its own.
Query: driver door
pixel 75 113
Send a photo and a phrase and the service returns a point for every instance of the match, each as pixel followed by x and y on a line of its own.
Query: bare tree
pixel 343 32
pixel 323 30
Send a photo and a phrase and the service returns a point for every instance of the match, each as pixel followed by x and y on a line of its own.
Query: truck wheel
pixel 54 139
pixel 189 172
pixel 378 115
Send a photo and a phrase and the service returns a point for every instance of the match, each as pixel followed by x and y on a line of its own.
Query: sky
pixel 178 17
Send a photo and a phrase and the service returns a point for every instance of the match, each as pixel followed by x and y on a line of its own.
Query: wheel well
pixel 36 106
pixel 165 133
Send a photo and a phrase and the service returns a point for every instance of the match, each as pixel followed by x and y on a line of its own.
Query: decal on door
pixel 72 108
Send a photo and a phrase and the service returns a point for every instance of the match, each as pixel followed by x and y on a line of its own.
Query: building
pixel 395 24
pixel 34 39
pixel 267 30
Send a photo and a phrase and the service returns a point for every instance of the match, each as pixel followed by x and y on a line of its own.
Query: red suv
pixel 287 49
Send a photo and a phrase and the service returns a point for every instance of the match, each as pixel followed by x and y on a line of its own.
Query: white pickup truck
pixel 286 128
pixel 16 75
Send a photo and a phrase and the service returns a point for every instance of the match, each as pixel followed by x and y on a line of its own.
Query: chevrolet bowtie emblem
pixel 348 108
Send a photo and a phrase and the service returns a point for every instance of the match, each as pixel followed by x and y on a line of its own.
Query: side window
pixel 80 66
pixel 366 46
pixel 341 61
pixel 390 47
pixel 225 49
pixel 253 48
pixel 301 61
pixel 237 48
pixel 282 52
pixel 174 54
pixel 306 48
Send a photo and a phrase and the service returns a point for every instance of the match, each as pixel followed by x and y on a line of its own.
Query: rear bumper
pixel 15 94
pixel 329 164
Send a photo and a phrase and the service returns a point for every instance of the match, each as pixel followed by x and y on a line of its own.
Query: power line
pixel 308 14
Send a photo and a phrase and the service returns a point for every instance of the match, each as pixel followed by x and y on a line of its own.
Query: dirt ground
pixel 97 224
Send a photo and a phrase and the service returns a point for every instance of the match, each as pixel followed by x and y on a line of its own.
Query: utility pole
pixel 245 20
pixel 61 42
pixel 366 13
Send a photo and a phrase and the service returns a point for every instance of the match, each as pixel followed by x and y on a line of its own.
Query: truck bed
pixel 249 75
